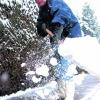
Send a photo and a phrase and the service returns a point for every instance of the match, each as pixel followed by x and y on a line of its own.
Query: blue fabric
pixel 63 13
pixel 75 31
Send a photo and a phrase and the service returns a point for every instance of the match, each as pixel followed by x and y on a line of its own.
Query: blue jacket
pixel 62 13
pixel 57 11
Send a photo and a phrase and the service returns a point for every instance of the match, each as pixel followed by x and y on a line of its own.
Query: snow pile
pixel 35 79
pixel 43 70
pixel 84 51
pixel 53 61
pixel 94 94
pixel 36 76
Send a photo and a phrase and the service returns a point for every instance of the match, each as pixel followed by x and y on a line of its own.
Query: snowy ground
pixel 87 89
pixel 48 92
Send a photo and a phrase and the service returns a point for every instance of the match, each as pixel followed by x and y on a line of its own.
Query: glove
pixel 57 29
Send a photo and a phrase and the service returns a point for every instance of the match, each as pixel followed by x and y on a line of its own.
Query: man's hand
pixel 57 30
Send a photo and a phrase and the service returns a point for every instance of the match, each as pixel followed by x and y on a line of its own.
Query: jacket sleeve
pixel 61 12
pixel 57 30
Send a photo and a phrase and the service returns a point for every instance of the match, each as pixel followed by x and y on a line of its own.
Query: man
pixel 57 17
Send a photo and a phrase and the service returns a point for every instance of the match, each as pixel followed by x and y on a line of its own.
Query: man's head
pixel 41 2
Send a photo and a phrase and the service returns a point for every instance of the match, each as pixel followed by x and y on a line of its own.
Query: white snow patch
pixel 30 73
pixel 22 83
pixel 23 64
pixel 48 91
pixel 94 94
pixel 43 70
pixel 5 21
pixel 7 2
pixel 35 79
pixel 78 79
pixel 53 61
pixel 71 70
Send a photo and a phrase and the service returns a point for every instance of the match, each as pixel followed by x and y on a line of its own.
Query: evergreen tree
pixel 20 43
pixel 89 21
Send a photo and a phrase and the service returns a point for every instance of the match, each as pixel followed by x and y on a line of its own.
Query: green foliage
pixel 10 65
pixel 19 43
pixel 20 29
pixel 17 38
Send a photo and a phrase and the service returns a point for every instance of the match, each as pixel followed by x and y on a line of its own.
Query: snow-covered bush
pixel 18 34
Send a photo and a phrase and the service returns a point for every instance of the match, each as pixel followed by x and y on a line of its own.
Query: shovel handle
pixel 49 32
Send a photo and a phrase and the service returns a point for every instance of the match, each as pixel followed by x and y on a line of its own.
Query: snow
pixel 23 83
pixel 93 94
pixel 43 70
pixel 71 70
pixel 23 64
pixel 84 51
pixel 10 1
pixel 53 61
pixel 78 79
pixel 48 91
pixel 77 7
pixel 4 21
pixel 35 79
pixel 30 73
